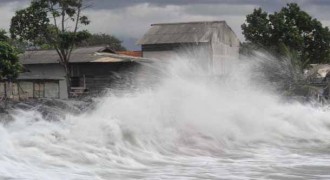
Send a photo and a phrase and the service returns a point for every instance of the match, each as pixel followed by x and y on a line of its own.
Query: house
pixel 92 70
pixel 216 38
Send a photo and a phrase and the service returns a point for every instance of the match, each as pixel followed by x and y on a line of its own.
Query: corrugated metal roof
pixel 186 32
pixel 130 53
pixel 27 76
pixel 80 55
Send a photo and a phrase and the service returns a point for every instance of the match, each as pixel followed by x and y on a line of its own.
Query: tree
pixel 52 22
pixel 104 40
pixel 3 35
pixel 290 27
pixel 9 61
pixel 19 46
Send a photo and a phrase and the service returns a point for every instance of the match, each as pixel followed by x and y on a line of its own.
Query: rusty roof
pixel 130 53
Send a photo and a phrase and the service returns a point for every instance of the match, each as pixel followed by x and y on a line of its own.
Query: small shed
pixel 216 38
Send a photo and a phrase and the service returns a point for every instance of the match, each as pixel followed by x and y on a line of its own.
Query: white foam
pixel 190 123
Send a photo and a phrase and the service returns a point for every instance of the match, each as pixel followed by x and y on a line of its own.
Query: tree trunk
pixel 68 77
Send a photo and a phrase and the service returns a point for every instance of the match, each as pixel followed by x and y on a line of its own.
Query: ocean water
pixel 191 125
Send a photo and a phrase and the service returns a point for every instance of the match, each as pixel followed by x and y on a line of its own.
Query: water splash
pixel 190 124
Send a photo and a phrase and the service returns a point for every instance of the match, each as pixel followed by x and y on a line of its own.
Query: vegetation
pixel 3 36
pixel 9 62
pixel 52 22
pixel 292 28
pixel 20 46
pixel 104 40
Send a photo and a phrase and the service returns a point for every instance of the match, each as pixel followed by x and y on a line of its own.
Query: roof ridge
pixel 192 22
pixel 77 48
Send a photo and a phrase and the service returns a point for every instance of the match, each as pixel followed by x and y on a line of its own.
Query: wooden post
pixel 84 82
pixel 10 92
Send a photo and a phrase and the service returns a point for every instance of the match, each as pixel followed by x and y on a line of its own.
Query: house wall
pixel 200 52
pixel 225 48
pixel 217 54
pixel 100 76
pixel 160 51
pixel 44 71
pixel 2 90
pixel 26 89
pixel 39 81
pixel 172 51
pixel 45 74
pixel 162 55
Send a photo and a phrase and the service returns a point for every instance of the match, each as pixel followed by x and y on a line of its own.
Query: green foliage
pixel 3 35
pixel 248 48
pixel 291 27
pixel 30 23
pixel 49 22
pixel 20 46
pixel 104 40
pixel 52 24
pixel 9 61
pixel 67 39
pixel 257 29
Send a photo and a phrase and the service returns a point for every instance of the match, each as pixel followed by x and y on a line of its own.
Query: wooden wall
pixel 101 76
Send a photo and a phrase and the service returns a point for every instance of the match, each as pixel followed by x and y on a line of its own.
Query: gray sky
pixel 130 19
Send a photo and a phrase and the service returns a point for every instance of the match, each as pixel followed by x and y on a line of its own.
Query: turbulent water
pixel 190 125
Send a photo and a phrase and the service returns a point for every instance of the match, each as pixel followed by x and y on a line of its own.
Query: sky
pixel 130 19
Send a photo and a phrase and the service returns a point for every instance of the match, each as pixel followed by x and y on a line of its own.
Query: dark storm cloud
pixel 11 1
pixel 125 3
pixel 130 19
pixel 269 5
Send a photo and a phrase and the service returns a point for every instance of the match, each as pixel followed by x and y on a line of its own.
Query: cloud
pixel 130 19
pixel 268 5
pixel 132 22
pixel 218 9
pixel 7 11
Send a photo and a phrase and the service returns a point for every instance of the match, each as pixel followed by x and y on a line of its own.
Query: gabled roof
pixel 79 55
pixel 186 32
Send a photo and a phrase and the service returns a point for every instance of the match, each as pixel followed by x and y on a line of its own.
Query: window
pixel 75 81
pixel 52 90
pixel 39 90
pixel 26 88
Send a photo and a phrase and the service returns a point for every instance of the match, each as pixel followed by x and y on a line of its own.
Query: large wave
pixel 191 124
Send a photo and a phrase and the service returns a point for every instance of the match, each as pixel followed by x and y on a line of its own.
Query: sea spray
pixel 190 124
